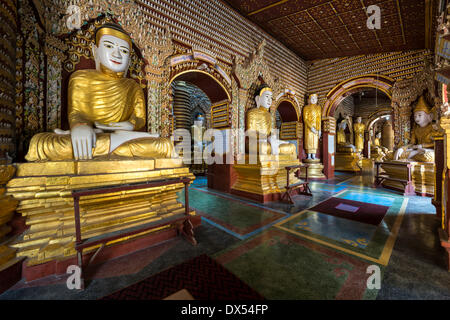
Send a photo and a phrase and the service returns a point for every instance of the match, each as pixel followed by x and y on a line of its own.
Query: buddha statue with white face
pixel 259 120
pixel 312 118
pixel 197 132
pixel 342 143
pixel 105 109
pixel 421 147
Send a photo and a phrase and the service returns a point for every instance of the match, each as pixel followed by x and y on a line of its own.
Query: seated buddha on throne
pixel 419 153
pixel 266 179
pixel 259 121
pixel 421 147
pixel 105 108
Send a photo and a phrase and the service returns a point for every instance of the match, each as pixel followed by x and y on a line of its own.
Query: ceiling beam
pixel 401 21
pixel 428 23
pixel 267 7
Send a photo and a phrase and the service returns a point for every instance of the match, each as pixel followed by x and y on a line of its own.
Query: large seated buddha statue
pixel 259 121
pixel 105 109
pixel 421 147
pixel 262 176
pixel 102 148
pixel 419 153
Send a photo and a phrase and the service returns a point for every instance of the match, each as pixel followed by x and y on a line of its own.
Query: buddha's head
pixel 199 120
pixel 378 135
pixel 313 99
pixel 343 125
pixel 112 48
pixel 358 120
pixel 422 114
pixel 263 97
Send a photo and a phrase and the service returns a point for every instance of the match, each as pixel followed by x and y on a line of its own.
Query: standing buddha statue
pixel 105 109
pixel 358 129
pixel 312 118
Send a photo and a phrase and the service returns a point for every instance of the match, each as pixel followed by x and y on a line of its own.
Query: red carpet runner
pixel 202 277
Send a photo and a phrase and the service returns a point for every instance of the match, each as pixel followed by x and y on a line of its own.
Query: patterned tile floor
pixel 290 251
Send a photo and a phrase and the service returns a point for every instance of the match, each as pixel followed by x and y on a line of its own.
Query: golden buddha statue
pixel 103 100
pixel 377 151
pixel 421 147
pixel 358 129
pixel 343 145
pixel 312 118
pixel 259 121
pixel 197 132
pixel 347 158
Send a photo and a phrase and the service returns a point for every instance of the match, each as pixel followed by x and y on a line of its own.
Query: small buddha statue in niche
pixel 421 147
pixel 358 129
pixel 312 118
pixel 103 100
pixel 259 120
pixel 197 131
pixel 377 150
pixel 342 143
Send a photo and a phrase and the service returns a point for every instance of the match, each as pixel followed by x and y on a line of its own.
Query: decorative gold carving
pixel 47 204
pixel 404 93
pixel 329 125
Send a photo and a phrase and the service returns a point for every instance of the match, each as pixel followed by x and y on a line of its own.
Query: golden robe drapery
pixel 103 97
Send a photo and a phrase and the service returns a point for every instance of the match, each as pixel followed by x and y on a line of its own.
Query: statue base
pixel 315 169
pixel 44 194
pixel 378 157
pixel 348 162
pixel 266 180
pixel 422 174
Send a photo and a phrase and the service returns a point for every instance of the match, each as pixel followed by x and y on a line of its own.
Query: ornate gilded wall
pixel 160 29
pixel 325 74
pixel 8 27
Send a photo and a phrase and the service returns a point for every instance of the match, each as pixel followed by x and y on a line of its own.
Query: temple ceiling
pixel 319 29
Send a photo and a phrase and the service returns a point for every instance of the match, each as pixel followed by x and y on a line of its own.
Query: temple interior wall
pixel 324 75
pixel 365 107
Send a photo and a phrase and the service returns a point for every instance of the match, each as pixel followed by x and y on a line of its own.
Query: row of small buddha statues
pixel 105 109
pixel 420 148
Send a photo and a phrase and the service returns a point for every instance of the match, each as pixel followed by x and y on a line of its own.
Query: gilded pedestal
pixel 315 169
pixel 266 180
pixel 44 194
pixel 348 161
pixel 422 174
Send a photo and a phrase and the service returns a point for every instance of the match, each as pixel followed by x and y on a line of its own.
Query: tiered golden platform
pixel 7 207
pixel 44 194
pixel 315 169
pixel 266 180
pixel 422 175
pixel 348 162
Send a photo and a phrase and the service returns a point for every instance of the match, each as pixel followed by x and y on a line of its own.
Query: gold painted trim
pixel 267 7
pixel 204 72
pixel 401 21
pixel 388 247
pixel 327 111
pixel 428 22
pixel 380 76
